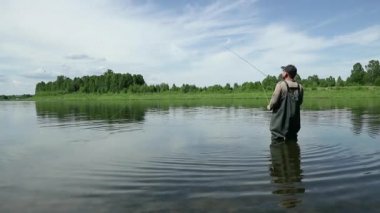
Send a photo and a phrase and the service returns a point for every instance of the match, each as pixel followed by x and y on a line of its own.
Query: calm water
pixel 117 157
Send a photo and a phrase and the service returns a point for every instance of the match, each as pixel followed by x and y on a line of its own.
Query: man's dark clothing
pixel 285 103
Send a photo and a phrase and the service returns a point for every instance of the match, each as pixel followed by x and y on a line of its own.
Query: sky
pixel 178 41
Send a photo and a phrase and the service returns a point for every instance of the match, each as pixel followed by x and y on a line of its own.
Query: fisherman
pixel 285 105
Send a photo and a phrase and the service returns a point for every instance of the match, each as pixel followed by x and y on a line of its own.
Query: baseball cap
pixel 291 69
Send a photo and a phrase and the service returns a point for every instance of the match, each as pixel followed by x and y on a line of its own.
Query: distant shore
pixel 369 92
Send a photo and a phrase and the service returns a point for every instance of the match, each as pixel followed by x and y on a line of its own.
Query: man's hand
pixel 268 107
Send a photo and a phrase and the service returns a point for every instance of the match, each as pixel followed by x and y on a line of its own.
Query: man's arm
pixel 275 97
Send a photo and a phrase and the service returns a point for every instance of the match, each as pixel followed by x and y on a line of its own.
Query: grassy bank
pixel 310 93
pixel 155 96
pixel 343 92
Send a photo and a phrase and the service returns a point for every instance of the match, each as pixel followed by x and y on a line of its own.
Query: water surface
pixel 208 157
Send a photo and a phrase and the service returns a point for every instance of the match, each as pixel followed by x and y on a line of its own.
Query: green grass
pixel 310 93
pixel 155 96
pixel 315 99
pixel 343 92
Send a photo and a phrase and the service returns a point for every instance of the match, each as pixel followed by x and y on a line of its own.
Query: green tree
pixel 227 87
pixel 128 80
pixel 373 72
pixel 340 82
pixel 236 87
pixel 298 78
pixel 215 88
pixel 138 79
pixel 330 81
pixel 269 82
pixel 250 86
pixel 40 87
pixel 163 87
pixel 174 88
pixel 313 80
pixel 77 82
pixel 114 85
pixel 68 85
pixel 357 75
pixel 186 88
pixel 60 82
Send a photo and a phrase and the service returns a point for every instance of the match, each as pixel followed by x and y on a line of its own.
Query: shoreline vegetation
pixel 362 83
pixel 310 93
pixel 352 92
pixel 358 98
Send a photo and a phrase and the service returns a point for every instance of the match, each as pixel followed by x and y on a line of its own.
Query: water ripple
pixel 204 165
pixel 336 170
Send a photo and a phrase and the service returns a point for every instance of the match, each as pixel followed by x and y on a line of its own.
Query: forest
pixel 111 82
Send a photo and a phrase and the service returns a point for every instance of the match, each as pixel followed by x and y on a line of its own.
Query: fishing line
pixel 253 66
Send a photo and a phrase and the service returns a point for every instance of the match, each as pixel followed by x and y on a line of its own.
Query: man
pixel 285 105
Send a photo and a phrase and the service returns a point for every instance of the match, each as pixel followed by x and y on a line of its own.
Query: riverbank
pixel 310 93
pixel 368 92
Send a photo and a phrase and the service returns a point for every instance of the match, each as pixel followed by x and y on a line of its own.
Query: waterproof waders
pixel 286 121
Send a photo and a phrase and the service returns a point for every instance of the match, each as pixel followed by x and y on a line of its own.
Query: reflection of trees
pixel 111 112
pixel 357 120
pixel 374 125
pixel 364 114
pixel 370 116
pixel 286 172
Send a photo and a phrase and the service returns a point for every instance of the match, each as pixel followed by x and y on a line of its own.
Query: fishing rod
pixel 251 65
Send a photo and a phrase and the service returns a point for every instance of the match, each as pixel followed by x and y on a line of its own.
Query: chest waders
pixel 286 122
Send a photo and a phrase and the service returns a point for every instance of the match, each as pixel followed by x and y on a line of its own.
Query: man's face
pixel 283 74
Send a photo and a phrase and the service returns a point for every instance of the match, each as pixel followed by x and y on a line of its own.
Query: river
pixel 193 157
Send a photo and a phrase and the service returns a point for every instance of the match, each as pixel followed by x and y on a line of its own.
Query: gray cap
pixel 291 69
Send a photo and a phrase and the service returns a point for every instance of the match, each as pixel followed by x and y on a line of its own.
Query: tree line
pixel 14 97
pixel 105 83
pixel 111 82
pixel 367 76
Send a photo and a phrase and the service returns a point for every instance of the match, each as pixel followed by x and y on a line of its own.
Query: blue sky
pixel 183 41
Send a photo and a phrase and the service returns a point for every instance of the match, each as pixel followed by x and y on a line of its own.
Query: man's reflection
pixel 286 173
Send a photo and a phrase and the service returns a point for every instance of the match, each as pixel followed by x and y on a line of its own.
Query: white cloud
pixel 3 78
pixel 40 74
pixel 74 38
pixel 16 83
pixel 362 37
pixel 83 57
